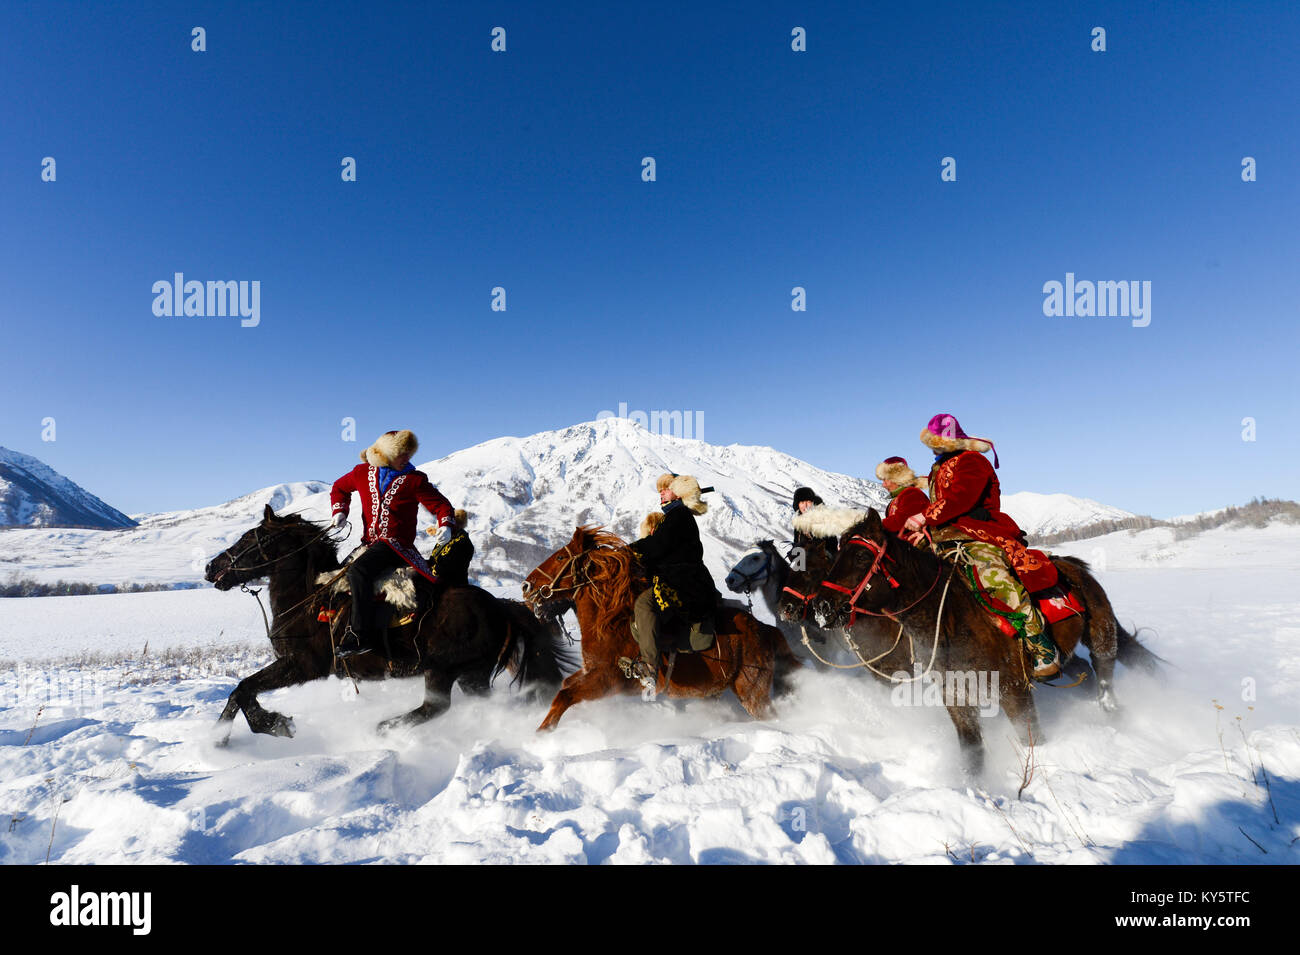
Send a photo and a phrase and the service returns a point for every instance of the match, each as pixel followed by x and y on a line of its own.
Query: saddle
pixel 682 636
pixel 398 589
pixel 1057 603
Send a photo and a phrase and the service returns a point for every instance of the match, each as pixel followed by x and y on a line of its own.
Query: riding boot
pixel 1047 658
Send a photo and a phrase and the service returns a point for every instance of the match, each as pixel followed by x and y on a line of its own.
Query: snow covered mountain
pixel 1042 514
pixel 525 496
pixel 32 494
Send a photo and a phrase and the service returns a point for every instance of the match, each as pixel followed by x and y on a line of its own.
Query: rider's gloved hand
pixel 442 536
pixel 339 520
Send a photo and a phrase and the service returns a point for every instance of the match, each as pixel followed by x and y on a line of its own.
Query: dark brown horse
pixel 787 589
pixel 468 637
pixel 906 587
pixel 599 578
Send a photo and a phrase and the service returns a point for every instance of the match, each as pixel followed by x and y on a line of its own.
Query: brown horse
pixel 599 578
pixel 946 628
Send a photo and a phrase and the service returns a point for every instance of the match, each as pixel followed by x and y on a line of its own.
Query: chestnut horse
pixel 599 578
pixel 948 631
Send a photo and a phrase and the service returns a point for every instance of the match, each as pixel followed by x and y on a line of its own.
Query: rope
pixel 848 639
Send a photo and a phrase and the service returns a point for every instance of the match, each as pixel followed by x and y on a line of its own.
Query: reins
pixel 881 552
pixel 268 562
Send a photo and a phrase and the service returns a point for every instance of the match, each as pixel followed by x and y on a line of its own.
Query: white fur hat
pixel 824 521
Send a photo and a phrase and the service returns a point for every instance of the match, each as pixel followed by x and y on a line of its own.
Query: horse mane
pixel 322 553
pixel 613 571
pixel 917 566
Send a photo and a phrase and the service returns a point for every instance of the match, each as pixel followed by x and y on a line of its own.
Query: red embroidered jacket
pixel 390 516
pixel 908 501
pixel 964 491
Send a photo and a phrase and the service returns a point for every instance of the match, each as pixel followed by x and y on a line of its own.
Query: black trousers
pixel 371 564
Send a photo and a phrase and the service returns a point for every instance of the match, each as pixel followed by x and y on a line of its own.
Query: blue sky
pixel 775 169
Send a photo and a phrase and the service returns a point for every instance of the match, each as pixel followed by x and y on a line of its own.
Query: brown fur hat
pixel 942 445
pixel 461 517
pixel 390 445
pixel 688 489
pixel 897 470
pixel 650 523
pixel 664 480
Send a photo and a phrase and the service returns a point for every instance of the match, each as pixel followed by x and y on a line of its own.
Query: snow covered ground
pixel 111 754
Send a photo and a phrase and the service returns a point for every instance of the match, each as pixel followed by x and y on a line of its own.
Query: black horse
pixel 468 637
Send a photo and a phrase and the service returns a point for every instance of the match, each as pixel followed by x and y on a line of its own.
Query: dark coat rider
pixel 681 587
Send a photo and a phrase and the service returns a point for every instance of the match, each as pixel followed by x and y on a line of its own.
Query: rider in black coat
pixel 681 586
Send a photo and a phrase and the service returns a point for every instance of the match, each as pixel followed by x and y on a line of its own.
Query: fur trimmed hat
pixel 802 494
pixel 823 521
pixel 688 489
pixel 650 523
pixel 896 469
pixel 390 445
pixel 460 516
pixel 943 434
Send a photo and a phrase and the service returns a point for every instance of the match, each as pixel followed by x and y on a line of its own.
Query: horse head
pixel 752 570
pixel 853 583
pixel 549 588
pixel 260 549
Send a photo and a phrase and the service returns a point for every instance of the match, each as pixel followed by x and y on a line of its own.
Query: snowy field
pixel 107 752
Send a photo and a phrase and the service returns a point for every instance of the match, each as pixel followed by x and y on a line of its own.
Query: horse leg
pixel 1018 704
pixel 285 671
pixel 437 698
pixel 1105 670
pixel 966 720
pixel 753 686
pixel 580 687
pixel 476 682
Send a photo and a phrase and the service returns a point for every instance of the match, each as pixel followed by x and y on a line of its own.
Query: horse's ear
pixel 268 515
pixel 873 521
pixel 577 535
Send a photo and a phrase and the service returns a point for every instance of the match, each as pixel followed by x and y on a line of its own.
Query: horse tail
pixel 1133 654
pixel 535 651
pixel 1129 650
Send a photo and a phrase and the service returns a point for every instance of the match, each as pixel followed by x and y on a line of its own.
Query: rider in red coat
pixel 391 491
pixel 965 506
pixel 906 492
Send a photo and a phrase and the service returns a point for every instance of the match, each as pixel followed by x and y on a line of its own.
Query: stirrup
pixel 350 646
pixel 638 670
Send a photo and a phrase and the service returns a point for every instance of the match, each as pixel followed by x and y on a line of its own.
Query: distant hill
pixel 32 494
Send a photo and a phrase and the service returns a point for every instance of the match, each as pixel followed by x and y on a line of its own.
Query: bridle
pixel 261 550
pixel 749 581
pixel 881 552
pixel 548 590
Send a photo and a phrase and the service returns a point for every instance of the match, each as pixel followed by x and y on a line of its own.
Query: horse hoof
pixel 1108 704
pixel 281 725
pixel 396 723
